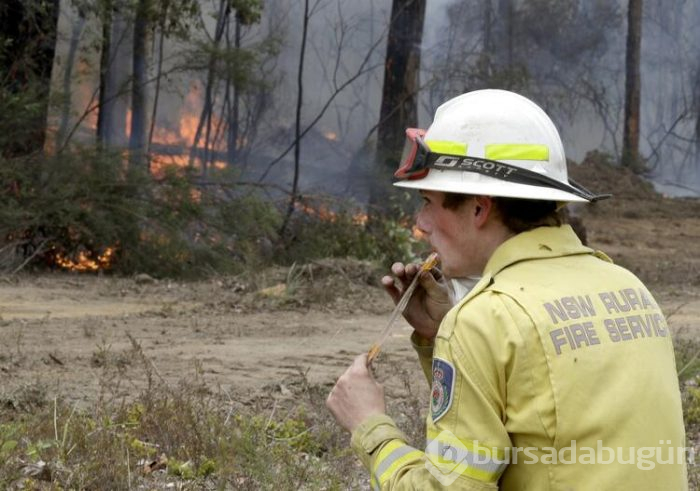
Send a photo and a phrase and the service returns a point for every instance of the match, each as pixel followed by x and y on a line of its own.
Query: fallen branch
pixel 26 261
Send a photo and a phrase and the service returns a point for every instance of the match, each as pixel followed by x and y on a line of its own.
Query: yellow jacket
pixel 556 372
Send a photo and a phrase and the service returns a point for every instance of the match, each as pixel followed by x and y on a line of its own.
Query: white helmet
pixel 490 142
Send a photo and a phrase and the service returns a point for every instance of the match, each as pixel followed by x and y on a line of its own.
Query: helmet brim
pixel 448 181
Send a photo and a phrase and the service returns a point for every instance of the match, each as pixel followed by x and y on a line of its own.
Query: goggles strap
pixel 506 172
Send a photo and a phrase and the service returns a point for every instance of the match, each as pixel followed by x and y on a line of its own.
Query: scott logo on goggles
pixel 471 164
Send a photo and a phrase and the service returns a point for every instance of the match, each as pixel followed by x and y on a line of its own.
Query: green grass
pixel 204 440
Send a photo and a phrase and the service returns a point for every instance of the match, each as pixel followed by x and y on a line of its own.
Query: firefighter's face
pixel 451 234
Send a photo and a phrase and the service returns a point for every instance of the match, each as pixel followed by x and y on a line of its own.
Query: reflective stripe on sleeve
pixel 516 151
pixel 392 457
pixel 447 147
pixel 451 455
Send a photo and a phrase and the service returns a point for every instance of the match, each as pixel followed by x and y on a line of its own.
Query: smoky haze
pixel 568 56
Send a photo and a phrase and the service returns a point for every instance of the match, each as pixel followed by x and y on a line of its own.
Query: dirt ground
pixel 75 335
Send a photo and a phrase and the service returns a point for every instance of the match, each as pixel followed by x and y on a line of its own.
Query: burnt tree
pixel 103 127
pixel 137 132
pixel 399 108
pixel 630 141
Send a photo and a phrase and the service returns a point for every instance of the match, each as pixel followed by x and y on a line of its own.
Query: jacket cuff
pixel 424 347
pixel 371 434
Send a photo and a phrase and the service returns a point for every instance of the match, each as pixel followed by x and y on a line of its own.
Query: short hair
pixel 518 215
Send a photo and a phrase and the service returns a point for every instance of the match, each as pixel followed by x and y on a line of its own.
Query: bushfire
pixel 85 262
pixel 324 214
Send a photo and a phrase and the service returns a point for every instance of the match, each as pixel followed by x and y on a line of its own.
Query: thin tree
pixel 297 120
pixel 137 136
pixel 630 141
pixel 159 75
pixel 103 121
pixel 234 101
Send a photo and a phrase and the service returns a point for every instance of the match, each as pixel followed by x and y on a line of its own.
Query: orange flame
pixel 324 214
pixel 360 219
pixel 184 135
pixel 187 124
pixel 85 262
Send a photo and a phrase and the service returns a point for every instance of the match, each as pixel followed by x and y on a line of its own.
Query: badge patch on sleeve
pixel 443 388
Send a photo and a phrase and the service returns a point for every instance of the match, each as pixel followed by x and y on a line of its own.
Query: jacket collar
pixel 539 243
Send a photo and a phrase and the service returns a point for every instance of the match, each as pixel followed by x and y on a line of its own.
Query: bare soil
pixel 75 336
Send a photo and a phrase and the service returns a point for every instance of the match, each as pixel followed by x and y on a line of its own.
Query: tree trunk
pixel 503 41
pixel 159 75
pixel 137 136
pixel 234 113
pixel 488 27
pixel 115 77
pixel 27 68
pixel 399 108
pixel 103 116
pixel 77 30
pixel 297 125
pixel 630 142
pixel 696 108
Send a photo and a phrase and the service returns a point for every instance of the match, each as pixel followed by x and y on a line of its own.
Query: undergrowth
pixel 87 206
pixel 183 437
pixel 193 436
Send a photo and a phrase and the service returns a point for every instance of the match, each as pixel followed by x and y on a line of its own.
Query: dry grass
pixel 189 436
pixel 193 436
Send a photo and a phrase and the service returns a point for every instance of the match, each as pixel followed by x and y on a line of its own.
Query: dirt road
pixel 74 335
pixel 71 334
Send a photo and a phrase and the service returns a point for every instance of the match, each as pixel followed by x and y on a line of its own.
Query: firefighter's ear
pixel 483 205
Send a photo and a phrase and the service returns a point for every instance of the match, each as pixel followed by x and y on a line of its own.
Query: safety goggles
pixel 414 157
pixel 417 159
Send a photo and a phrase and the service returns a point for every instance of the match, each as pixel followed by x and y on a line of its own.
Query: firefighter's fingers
pixel 359 366
pixel 390 287
pixel 356 395
pixel 404 272
pixel 411 271
pixel 437 274
pixel 434 287
pixel 398 269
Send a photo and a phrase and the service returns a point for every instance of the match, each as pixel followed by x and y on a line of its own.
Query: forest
pixel 170 136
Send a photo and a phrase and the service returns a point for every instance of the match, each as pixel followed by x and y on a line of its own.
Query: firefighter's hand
pixel 429 303
pixel 356 395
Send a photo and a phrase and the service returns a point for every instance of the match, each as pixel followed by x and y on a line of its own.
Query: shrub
pixel 86 209
pixel 83 203
pixel 317 232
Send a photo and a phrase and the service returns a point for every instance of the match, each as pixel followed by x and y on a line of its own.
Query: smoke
pixel 580 85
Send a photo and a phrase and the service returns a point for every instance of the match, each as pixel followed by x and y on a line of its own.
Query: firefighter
pixel 556 371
